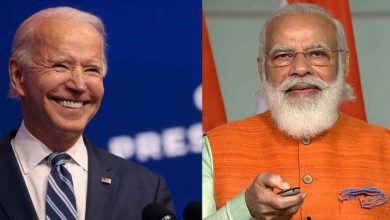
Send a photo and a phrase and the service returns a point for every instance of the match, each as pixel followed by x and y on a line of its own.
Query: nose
pixel 76 81
pixel 300 66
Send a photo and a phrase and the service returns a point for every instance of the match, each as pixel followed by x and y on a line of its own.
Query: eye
pixel 93 70
pixel 318 54
pixel 60 66
pixel 282 55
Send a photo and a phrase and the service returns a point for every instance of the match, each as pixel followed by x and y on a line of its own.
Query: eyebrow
pixel 92 62
pixel 93 65
pixel 318 45
pixel 279 47
pixel 283 47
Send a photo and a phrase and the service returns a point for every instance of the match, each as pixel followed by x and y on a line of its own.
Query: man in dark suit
pixel 48 170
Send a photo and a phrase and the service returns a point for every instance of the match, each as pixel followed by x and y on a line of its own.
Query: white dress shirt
pixel 31 153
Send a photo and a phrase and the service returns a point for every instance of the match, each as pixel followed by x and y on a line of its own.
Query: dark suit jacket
pixel 132 188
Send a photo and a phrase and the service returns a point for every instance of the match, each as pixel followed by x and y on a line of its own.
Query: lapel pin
pixel 106 180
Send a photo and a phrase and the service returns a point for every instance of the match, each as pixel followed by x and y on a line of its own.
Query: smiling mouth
pixel 299 88
pixel 69 103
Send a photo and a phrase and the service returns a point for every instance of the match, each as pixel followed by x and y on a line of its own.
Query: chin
pixel 70 126
pixel 304 116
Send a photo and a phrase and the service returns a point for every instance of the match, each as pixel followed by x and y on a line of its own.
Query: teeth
pixel 70 104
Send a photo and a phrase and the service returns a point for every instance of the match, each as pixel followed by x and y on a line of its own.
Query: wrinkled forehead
pixel 301 32
pixel 73 38
pixel 64 30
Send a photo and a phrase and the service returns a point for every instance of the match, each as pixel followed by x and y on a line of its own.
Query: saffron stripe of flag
pixel 213 110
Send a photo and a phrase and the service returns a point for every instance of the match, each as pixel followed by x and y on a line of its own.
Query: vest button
pixel 307 179
pixel 305 140
pixel 307 218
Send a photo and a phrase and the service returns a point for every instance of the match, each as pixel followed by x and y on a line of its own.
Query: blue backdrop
pixel 151 112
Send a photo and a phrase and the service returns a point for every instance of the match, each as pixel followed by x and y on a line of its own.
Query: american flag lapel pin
pixel 106 180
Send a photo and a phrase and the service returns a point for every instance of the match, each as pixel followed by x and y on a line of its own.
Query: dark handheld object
pixel 193 211
pixel 156 211
pixel 289 192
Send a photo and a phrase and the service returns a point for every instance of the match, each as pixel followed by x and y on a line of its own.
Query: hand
pixel 263 203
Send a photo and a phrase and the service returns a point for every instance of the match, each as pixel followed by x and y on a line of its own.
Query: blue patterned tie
pixel 60 200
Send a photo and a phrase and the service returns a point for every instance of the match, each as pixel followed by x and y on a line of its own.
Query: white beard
pixel 306 116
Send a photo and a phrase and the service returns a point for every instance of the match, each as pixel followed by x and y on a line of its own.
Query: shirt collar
pixel 31 151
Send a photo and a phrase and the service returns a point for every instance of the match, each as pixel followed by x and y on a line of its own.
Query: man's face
pixel 62 88
pixel 301 78
pixel 300 33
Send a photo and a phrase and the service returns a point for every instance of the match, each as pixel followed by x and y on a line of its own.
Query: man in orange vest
pixel 340 164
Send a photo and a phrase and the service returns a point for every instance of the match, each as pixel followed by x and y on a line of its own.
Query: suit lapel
pixel 14 197
pixel 102 185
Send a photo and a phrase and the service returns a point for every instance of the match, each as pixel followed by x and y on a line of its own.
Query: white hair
pixel 309 9
pixel 302 9
pixel 25 34
pixel 305 116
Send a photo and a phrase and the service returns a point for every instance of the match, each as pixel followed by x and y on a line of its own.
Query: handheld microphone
pixel 156 211
pixel 193 211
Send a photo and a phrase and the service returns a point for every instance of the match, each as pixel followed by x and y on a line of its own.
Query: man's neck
pixel 56 141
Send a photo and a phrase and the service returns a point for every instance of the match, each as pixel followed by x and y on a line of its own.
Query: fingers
pixel 292 210
pixel 279 202
pixel 270 180
pixel 263 203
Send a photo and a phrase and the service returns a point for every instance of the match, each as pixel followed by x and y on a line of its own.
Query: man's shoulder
pixel 120 165
pixel 357 127
pixel 255 123
pixel 349 121
pixel 5 142
pixel 134 186
pixel 5 148
pixel 5 139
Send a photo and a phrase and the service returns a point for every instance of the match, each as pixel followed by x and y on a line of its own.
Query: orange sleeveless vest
pixel 350 154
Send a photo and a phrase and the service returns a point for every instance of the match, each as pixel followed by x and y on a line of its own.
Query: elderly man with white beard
pixel 340 164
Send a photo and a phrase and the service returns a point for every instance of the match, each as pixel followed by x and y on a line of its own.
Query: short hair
pixel 24 36
pixel 302 9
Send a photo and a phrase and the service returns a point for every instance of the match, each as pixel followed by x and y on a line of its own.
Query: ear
pixel 16 78
pixel 345 63
pixel 260 67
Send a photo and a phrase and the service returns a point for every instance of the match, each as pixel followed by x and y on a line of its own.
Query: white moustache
pixel 311 81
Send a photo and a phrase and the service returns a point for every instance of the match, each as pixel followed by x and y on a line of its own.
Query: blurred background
pixel 151 112
pixel 234 28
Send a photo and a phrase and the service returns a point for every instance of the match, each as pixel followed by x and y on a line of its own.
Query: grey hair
pixel 25 34
pixel 308 9
pixel 302 9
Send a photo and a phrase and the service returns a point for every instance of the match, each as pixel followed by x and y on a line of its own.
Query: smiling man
pixel 48 170
pixel 339 163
